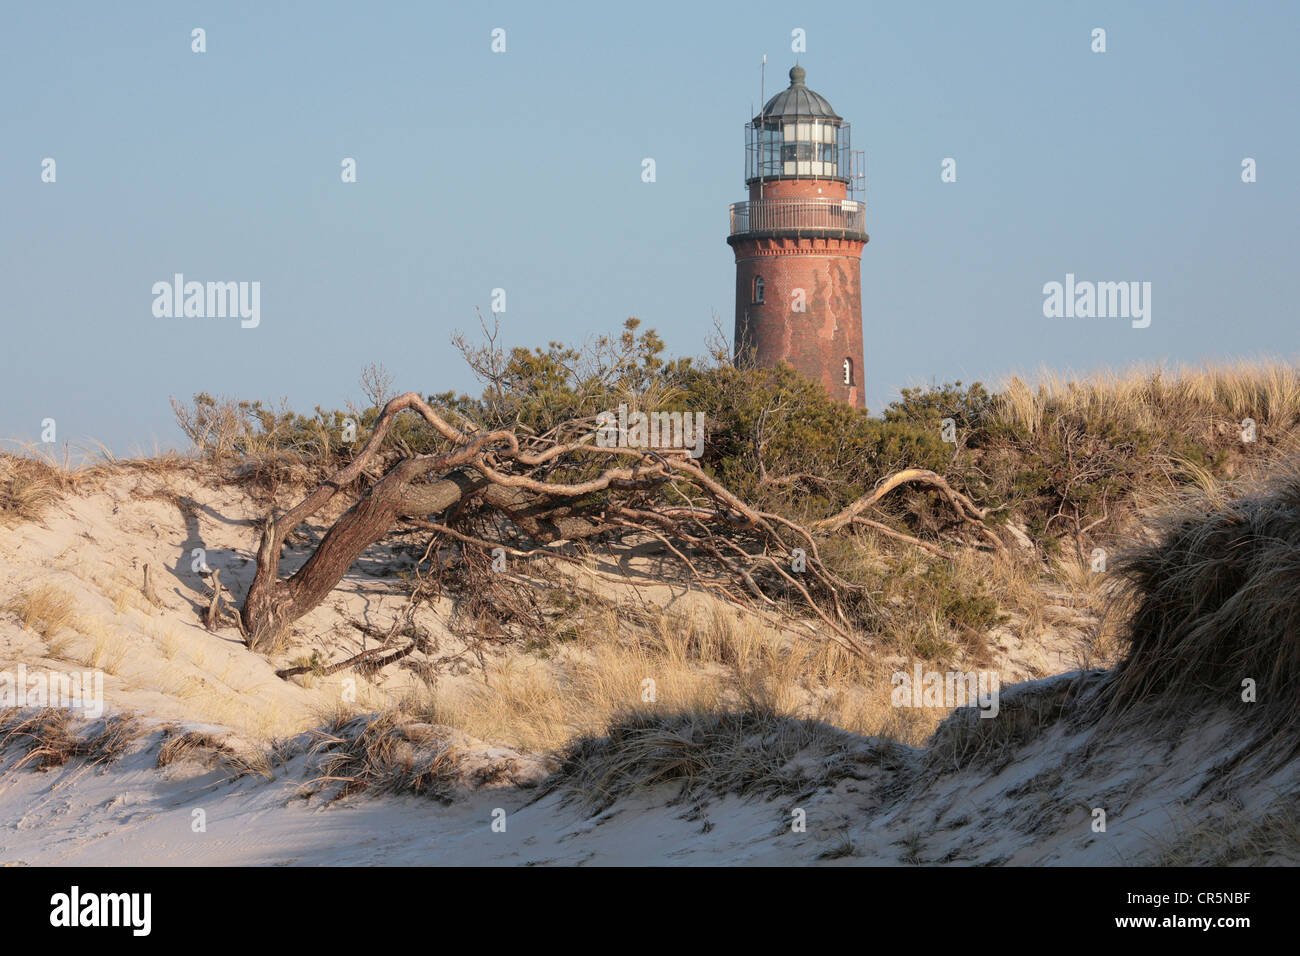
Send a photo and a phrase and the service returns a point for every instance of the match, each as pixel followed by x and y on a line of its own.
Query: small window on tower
pixel 848 371
pixel 758 290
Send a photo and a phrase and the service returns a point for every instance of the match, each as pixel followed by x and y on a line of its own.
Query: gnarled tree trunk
pixel 664 495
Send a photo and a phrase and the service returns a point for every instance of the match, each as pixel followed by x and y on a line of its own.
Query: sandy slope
pixel 1027 802
pixel 162 661
pixel 1033 806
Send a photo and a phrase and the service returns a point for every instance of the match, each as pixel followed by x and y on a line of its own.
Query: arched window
pixel 758 290
pixel 848 371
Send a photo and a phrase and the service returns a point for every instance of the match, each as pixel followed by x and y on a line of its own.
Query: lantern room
pixel 797 136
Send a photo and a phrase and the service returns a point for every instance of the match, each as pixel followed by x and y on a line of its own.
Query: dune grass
pixel 50 737
pixel 679 664
pixel 1213 605
pixel 28 486
pixel 749 751
pixel 44 609
pixel 1148 398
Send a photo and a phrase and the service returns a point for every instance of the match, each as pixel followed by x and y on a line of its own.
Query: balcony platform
pixel 799 219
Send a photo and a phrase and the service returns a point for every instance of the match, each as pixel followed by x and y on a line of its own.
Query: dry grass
pixel 271 641
pixel 750 752
pixel 106 650
pixel 623 660
pixel 677 664
pixel 385 754
pixel 27 487
pixel 168 642
pixel 1088 588
pixel 126 597
pixel 51 737
pixel 1215 602
pixel 44 609
pixel 1025 711
pixel 1095 592
pixel 1139 398
pixel 211 751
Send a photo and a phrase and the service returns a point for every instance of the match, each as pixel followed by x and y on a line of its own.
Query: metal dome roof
pixel 797 102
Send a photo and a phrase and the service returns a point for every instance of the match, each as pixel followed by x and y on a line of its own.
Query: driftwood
pixel 966 510
pixel 375 657
pixel 216 613
pixel 212 617
pixel 147 589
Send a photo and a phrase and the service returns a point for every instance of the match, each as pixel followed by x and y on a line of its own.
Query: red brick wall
pixel 815 341
pixel 799 189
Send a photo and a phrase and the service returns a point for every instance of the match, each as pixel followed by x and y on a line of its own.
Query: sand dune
pixel 269 771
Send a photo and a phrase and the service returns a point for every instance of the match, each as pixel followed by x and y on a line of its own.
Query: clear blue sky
pixel 522 170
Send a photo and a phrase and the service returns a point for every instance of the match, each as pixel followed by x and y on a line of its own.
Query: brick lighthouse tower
pixel 798 243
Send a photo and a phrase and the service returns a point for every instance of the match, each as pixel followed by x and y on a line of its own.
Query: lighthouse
pixel 798 241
